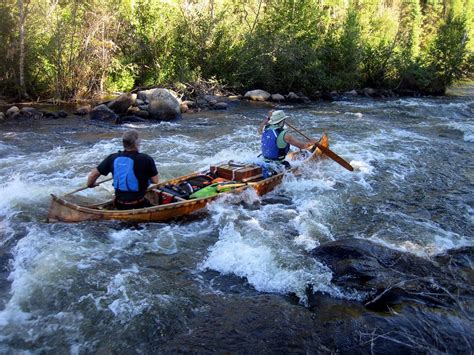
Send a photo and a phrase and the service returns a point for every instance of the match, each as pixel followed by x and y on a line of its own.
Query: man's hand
pixel 310 144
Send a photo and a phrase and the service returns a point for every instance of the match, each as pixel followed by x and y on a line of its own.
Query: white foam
pixel 18 191
pixel 42 266
pixel 466 127
pixel 260 253
pixel 421 237
pixel 259 264
pixel 356 114
pixel 362 166
pixel 120 303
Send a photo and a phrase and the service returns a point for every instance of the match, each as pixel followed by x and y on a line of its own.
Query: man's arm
pixel 262 125
pixel 297 143
pixel 92 177
pixel 264 122
pixel 154 179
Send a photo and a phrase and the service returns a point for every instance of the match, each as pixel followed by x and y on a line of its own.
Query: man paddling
pixel 132 173
pixel 276 141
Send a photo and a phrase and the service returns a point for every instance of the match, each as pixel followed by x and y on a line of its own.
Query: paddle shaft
pixel 83 188
pixel 325 150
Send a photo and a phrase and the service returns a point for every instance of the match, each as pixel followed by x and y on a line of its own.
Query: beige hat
pixel 277 117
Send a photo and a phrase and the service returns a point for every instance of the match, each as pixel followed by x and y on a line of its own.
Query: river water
pixel 233 277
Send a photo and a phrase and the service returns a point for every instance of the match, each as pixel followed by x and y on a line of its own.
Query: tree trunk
pixel 22 12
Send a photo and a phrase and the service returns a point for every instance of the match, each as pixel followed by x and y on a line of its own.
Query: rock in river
pixel 121 104
pixel 388 277
pixel 103 113
pixel 257 95
pixel 163 105
pixel 412 304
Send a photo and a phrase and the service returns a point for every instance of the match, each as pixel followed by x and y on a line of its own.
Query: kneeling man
pixel 132 172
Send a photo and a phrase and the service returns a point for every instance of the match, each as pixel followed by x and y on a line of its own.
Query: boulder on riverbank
pixel 165 104
pixel 83 110
pixel 162 104
pixel 277 98
pixel 12 112
pixel 103 113
pixel 297 98
pixel 257 95
pixel 121 104
pixel 30 112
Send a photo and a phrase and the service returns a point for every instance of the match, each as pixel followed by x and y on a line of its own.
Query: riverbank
pixel 134 106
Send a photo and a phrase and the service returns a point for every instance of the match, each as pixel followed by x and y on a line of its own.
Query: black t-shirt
pixel 144 168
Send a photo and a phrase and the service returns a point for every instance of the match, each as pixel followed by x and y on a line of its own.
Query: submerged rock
pixel 388 277
pixel 220 106
pixel 51 115
pixel 351 93
pixel 412 304
pixel 129 118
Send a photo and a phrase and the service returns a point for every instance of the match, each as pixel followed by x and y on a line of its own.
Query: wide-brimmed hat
pixel 277 117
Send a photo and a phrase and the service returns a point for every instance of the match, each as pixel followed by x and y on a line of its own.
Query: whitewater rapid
pixel 71 286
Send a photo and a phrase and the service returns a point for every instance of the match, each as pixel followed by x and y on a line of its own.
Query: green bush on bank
pixel 80 49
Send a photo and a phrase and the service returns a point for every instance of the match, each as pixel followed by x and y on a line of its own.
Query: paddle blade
pixel 328 152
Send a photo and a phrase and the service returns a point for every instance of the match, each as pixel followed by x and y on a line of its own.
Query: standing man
pixel 132 173
pixel 276 141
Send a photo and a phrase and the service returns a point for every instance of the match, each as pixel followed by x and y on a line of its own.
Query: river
pixel 234 277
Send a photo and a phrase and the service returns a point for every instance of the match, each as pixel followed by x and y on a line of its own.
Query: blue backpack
pixel 124 176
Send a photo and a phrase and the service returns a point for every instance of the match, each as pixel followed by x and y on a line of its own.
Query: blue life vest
pixel 124 176
pixel 270 150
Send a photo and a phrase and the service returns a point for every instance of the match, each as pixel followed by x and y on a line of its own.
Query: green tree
pixel 7 38
pixel 449 58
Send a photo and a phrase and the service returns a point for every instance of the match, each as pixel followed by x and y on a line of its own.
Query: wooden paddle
pixel 83 188
pixel 325 150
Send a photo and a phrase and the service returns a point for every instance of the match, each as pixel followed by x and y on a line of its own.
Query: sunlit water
pixel 110 286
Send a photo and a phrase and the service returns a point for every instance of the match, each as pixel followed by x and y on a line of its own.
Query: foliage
pixel 448 58
pixel 76 49
pixel 7 42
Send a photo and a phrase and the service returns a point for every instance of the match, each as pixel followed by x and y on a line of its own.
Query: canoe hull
pixel 63 211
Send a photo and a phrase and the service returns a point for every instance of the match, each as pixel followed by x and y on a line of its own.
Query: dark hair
pixel 130 139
